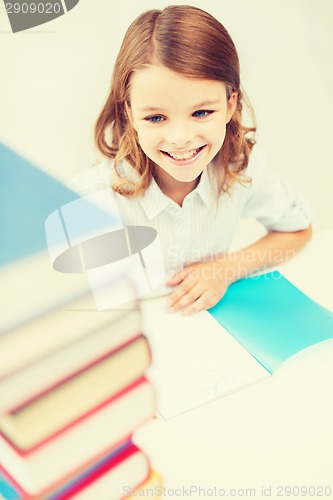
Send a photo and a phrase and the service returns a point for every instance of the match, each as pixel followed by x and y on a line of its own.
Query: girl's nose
pixel 179 136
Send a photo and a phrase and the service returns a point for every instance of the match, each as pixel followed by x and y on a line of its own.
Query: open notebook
pixel 259 323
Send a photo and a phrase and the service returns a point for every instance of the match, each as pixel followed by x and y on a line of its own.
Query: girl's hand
pixel 201 286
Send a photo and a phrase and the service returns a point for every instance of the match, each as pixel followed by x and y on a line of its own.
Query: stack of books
pixel 72 379
pixel 72 391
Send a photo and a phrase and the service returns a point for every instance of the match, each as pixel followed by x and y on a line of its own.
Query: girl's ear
pixel 231 105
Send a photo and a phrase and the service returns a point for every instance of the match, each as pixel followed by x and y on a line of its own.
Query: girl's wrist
pixel 237 265
pixel 229 268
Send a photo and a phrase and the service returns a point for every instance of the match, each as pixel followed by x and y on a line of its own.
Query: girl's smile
pixel 180 121
pixel 183 157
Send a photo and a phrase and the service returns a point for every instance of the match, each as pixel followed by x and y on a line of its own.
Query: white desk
pixel 276 432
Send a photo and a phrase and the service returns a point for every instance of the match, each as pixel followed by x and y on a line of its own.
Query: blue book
pixel 7 489
pixel 27 196
pixel 56 245
pixel 29 284
pixel 272 318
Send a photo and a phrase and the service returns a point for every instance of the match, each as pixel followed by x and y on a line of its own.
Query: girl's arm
pixel 203 284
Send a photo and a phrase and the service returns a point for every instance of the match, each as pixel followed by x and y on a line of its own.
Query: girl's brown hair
pixel 191 42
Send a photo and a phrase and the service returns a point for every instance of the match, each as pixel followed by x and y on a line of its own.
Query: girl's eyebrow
pixel 208 103
pixel 196 106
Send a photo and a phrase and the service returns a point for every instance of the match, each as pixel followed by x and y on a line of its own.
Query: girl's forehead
pixel 155 83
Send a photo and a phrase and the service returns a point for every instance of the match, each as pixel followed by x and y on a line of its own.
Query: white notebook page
pixel 194 359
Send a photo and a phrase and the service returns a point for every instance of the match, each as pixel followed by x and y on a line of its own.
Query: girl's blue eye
pixel 154 119
pixel 202 113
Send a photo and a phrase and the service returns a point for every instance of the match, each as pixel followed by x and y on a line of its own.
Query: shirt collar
pixel 154 201
pixel 206 188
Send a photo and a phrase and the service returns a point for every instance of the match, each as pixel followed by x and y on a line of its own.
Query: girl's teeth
pixel 184 156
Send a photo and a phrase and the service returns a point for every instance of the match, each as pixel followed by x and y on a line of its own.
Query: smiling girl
pixel 178 158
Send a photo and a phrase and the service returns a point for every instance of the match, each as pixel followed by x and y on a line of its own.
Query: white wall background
pixel 54 79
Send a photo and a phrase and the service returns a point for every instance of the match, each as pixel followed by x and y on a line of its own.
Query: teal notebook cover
pixel 272 318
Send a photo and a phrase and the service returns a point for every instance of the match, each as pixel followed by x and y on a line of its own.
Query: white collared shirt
pixel 205 224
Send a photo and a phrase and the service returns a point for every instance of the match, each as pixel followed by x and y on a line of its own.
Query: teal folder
pixel 272 318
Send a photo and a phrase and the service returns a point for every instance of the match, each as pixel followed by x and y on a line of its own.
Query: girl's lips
pixel 187 161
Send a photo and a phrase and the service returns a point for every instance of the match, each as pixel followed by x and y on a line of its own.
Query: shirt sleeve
pixel 92 179
pixel 272 201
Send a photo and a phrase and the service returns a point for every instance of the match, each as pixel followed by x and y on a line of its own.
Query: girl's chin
pixel 186 178
pixel 167 177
